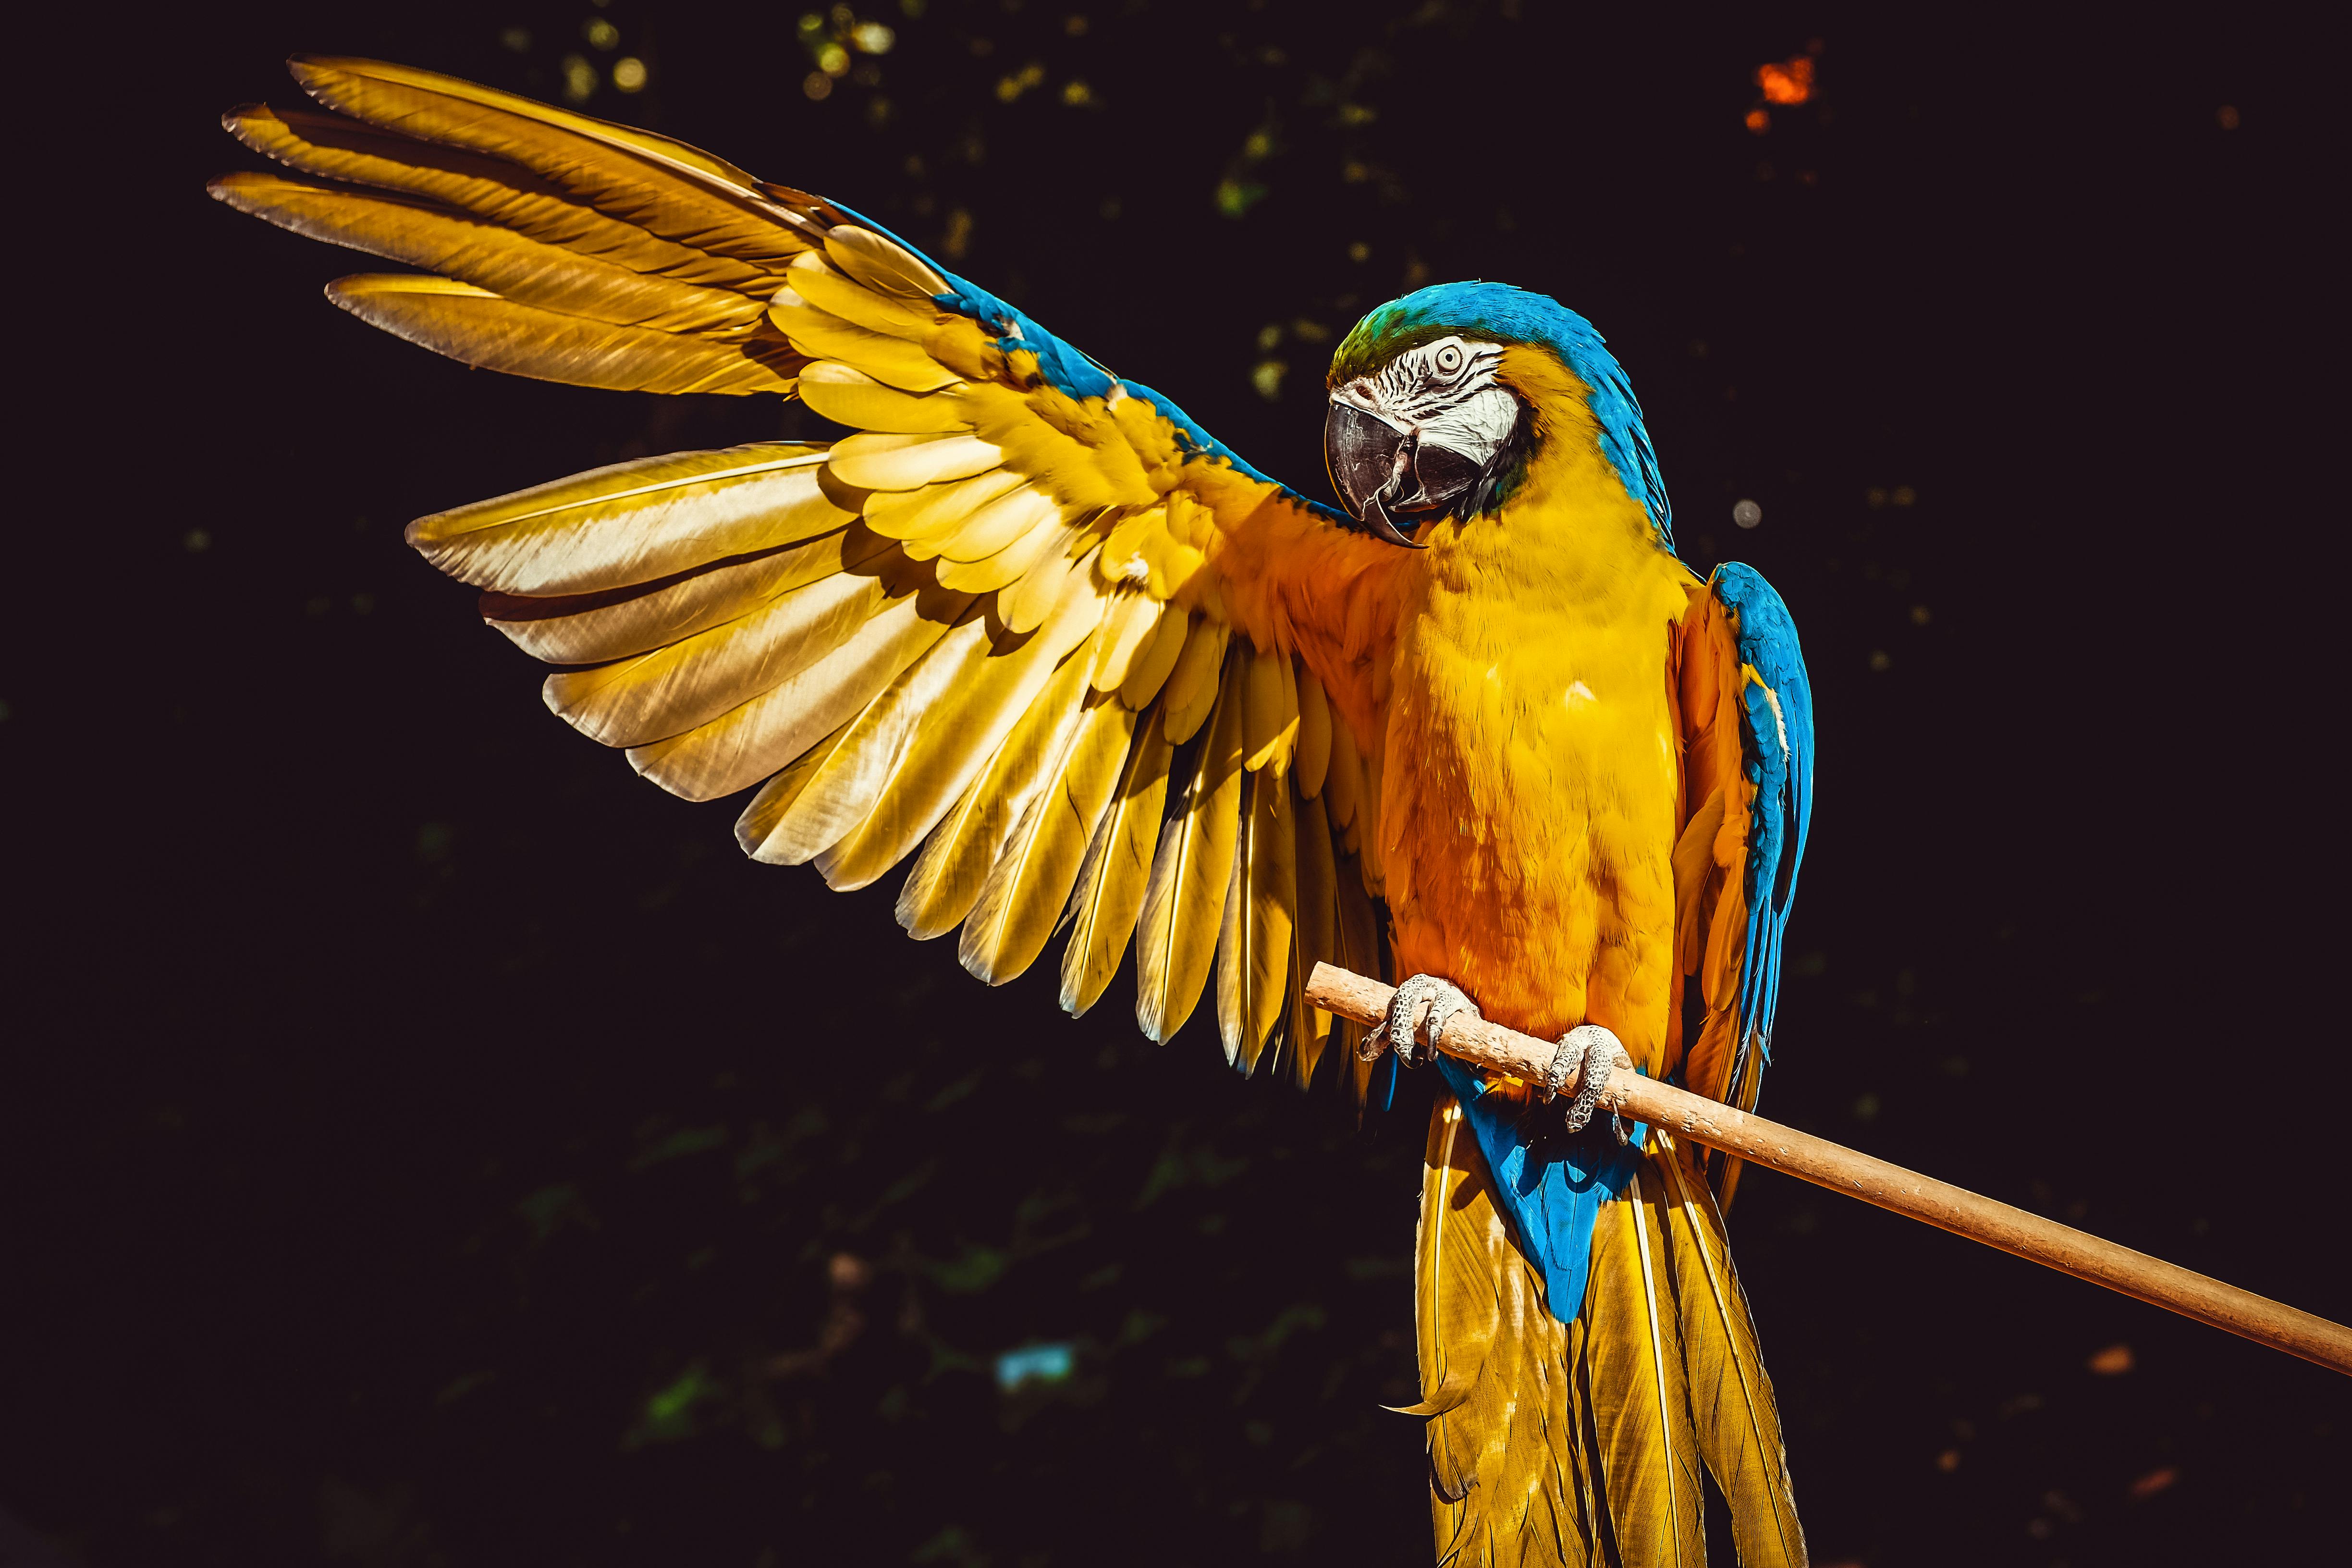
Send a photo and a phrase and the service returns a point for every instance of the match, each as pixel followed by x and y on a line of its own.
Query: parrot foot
pixel 1420 1010
pixel 1595 1050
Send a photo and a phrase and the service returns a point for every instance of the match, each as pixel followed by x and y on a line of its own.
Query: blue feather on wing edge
pixel 1777 741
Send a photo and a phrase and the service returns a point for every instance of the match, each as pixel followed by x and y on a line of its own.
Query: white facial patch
pixel 1445 392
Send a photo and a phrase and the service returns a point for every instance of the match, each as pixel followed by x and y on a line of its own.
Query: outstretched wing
pixel 1030 627
pixel 1748 735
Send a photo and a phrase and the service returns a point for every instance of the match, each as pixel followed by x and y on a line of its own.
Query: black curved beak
pixel 1368 465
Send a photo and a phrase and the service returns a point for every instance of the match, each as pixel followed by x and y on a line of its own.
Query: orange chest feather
pixel 1530 807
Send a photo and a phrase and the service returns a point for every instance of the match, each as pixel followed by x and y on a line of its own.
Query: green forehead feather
pixel 1380 338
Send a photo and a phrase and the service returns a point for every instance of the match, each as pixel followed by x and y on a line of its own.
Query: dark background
pixel 426 1145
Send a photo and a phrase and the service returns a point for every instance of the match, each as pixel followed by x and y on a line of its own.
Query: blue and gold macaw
pixel 1034 631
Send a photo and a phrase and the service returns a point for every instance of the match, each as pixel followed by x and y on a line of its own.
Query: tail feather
pixel 1648 1455
pixel 1731 1398
pixel 1585 1441
pixel 1507 1455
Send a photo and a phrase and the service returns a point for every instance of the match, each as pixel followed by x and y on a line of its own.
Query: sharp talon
pixel 1448 1004
pixel 1418 1013
pixel 1590 1051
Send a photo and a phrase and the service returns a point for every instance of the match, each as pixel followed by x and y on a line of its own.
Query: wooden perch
pixel 1840 1169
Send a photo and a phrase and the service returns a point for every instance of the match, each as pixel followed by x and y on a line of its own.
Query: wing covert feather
pixel 1746 711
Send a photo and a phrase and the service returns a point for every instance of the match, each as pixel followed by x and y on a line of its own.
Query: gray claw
pixel 1418 1013
pixel 1590 1051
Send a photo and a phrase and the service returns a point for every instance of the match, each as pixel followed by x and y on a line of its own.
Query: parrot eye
pixel 1449 358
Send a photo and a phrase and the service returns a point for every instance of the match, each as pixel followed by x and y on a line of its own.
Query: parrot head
pixel 1429 418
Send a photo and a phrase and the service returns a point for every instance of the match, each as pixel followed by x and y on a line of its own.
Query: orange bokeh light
pixel 1758 121
pixel 1791 82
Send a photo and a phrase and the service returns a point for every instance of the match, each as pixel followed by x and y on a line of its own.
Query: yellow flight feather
pixel 1301 1040
pixel 504 193
pixel 672 190
pixel 1031 882
pixel 1358 931
pixel 589 628
pixel 746 744
pixel 776 796
pixel 511 265
pixel 1343 776
pixel 1316 925
pixel 1184 906
pixel 1254 947
pixel 946 878
pixel 634 522
pixel 1118 866
pixel 479 328
pixel 1269 863
pixel 867 760
pixel 633 702
pixel 946 749
pixel 439 107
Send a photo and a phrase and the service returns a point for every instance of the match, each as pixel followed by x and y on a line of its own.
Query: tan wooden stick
pixel 1842 1170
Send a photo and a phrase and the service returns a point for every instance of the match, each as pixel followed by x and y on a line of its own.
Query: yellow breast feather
pixel 1528 828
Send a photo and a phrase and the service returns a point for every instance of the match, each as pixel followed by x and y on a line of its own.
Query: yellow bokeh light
pixel 579 79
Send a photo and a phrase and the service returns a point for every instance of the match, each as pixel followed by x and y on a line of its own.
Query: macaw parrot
pixel 1036 633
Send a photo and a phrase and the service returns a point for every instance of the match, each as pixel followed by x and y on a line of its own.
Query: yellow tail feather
pixel 1583 1443
pixel 1640 1396
pixel 1509 1450
pixel 1731 1398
